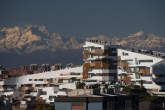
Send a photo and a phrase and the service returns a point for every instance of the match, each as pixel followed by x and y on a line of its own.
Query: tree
pixel 141 92
pixel 94 86
pixel 80 85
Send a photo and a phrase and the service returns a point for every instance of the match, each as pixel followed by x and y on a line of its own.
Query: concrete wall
pixel 95 106
pixel 63 106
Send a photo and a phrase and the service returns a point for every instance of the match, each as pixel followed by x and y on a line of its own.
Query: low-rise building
pixel 95 102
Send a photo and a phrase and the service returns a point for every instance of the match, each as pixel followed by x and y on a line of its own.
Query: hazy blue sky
pixel 87 17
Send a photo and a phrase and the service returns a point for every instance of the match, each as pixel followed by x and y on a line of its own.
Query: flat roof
pixel 94 98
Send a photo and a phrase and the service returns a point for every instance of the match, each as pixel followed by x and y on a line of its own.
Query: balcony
pixel 85 70
pixel 145 71
pixel 97 52
pixel 123 64
pixel 118 58
pixel 85 54
pixel 99 65
pixel 26 88
pixel 127 79
pixel 139 70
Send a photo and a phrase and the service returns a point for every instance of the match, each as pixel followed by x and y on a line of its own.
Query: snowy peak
pixel 30 38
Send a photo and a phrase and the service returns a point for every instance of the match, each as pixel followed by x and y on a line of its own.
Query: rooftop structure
pixel 102 42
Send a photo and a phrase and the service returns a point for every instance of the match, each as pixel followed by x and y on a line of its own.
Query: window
pixel 65 80
pixel 91 75
pixel 130 62
pixel 28 85
pixel 145 61
pixel 134 69
pixel 137 76
pixel 113 49
pixel 75 80
pixel 28 91
pixel 91 81
pixel 43 85
pixel 38 85
pixel 113 67
pixel 147 82
pixel 40 80
pixel 125 54
pixel 51 98
pixel 52 85
pixel 60 81
pixel 50 80
pixel 74 73
pixel 91 56
pixel 43 93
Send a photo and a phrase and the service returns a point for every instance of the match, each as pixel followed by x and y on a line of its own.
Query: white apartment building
pixel 136 68
pixel 100 62
pixel 52 83
pixel 107 62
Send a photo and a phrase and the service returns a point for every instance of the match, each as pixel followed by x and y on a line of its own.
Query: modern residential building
pixel 135 68
pixel 100 62
pixel 107 62
pixel 50 83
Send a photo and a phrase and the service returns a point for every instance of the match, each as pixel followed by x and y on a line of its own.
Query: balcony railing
pixel 99 65
pixel 85 54
pixel 97 52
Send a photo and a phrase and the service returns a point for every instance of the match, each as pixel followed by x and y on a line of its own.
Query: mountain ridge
pixel 26 42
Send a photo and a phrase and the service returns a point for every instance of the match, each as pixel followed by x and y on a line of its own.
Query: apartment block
pixel 44 85
pixel 100 62
pixel 135 68
pixel 105 62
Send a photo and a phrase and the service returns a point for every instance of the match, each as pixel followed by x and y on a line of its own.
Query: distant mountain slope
pixel 35 44
pixel 31 38
pixel 137 40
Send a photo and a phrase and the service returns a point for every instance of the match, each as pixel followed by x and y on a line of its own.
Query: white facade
pixel 98 59
pixel 41 78
pixel 136 61
pixel 49 93
pixel 52 82
pixel 133 66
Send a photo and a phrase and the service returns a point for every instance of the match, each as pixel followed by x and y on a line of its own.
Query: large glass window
pixel 145 61
pixel 137 76
pixel 136 69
